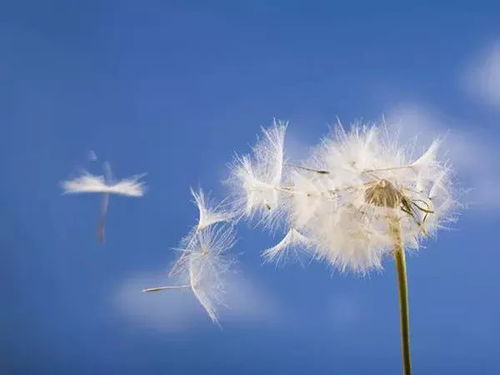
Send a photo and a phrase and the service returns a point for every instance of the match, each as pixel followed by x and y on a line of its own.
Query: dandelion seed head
pixel 372 178
pixel 342 196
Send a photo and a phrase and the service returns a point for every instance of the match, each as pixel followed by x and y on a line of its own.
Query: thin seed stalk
pixel 160 288
pixel 399 257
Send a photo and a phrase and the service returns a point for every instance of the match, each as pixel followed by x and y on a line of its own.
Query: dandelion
pixel 89 183
pixel 359 197
pixel 204 258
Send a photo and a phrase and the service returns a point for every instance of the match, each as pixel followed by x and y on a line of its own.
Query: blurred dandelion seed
pixel 89 183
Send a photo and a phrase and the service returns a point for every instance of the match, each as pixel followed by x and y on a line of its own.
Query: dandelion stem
pixel 399 256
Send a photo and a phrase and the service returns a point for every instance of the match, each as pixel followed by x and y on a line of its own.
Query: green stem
pixel 399 256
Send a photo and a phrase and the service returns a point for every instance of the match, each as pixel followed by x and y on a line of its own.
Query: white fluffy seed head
pixel 342 197
pixel 371 179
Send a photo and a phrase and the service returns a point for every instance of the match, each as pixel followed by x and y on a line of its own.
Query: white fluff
pixel 331 198
pixel 293 241
pixel 89 183
pixel 202 265
pixel 204 259
pixel 208 213
pixel 256 177
pixel 205 265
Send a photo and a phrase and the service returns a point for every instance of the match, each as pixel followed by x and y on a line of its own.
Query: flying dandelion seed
pixel 208 214
pixel 204 257
pixel 105 185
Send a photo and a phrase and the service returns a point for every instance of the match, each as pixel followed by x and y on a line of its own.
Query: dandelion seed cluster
pixel 338 203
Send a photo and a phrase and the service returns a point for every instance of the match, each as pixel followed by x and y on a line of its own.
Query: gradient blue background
pixel 174 89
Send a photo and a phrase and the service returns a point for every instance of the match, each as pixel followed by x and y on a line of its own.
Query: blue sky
pixel 174 89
